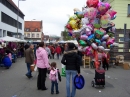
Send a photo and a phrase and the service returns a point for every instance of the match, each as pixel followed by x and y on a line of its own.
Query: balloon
pixel 94 46
pixel 80 48
pixel 91 13
pixel 88 30
pixel 104 44
pixel 84 21
pixel 73 24
pixel 89 42
pixel 96 25
pixel 100 48
pixel 69 34
pixel 113 17
pixel 105 37
pixel 84 49
pixel 68 27
pixel 78 13
pixel 83 37
pixel 91 37
pixel 114 44
pixel 106 50
pixel 98 34
pixel 105 20
pixel 110 41
pixel 92 3
pixel 98 41
pixel 89 51
pixel 112 13
pixel 103 7
pixel 82 43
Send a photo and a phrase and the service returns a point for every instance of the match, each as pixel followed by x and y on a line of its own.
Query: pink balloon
pixel 103 7
pixel 110 41
pixel 111 13
pixel 83 37
pixel 100 56
pixel 89 51
pixel 91 13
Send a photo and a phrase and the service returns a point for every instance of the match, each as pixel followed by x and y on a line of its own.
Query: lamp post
pixel 18 17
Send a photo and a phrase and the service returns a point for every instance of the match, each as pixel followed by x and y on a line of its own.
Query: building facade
pixel 8 19
pixel 33 31
pixel 122 34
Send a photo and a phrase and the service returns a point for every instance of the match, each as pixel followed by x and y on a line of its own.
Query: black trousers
pixel 41 78
pixel 53 55
pixel 105 65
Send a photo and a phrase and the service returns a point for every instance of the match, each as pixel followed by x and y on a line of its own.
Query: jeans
pixel 29 73
pixel 54 83
pixel 68 75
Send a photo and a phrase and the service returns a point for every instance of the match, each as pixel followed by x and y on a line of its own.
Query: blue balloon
pixel 69 34
pixel 98 41
pixel 90 37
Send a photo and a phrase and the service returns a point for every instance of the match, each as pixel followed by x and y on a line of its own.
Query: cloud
pixel 53 13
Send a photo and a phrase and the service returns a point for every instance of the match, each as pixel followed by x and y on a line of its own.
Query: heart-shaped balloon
pixel 103 7
pixel 92 3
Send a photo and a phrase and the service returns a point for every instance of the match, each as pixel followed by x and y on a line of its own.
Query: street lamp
pixel 18 17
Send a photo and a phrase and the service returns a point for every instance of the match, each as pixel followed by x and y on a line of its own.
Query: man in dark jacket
pixel 72 62
pixel 29 59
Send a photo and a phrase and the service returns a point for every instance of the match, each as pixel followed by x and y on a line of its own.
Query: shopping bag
pixel 35 69
pixel 63 71
pixel 32 67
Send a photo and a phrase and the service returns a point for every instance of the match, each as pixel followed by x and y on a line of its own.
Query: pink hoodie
pixel 42 58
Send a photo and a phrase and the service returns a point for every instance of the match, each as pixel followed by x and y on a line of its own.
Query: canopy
pixel 73 41
pixel 11 39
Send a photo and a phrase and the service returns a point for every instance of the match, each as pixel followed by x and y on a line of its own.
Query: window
pixel 37 35
pixel 128 10
pixel 28 35
pixel 33 35
pixel 12 8
pixel 10 21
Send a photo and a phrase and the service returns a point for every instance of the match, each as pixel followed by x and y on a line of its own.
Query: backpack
pixel 52 75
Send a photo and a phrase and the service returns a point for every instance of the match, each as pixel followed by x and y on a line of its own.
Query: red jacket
pixel 58 50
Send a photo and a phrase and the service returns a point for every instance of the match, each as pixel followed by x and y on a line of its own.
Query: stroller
pixel 99 78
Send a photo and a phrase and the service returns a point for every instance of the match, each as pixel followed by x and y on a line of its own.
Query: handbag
pixel 32 67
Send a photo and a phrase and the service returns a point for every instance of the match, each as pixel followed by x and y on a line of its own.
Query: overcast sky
pixel 53 13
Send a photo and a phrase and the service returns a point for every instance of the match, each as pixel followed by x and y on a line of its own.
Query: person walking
pixel 29 59
pixel 58 51
pixel 43 65
pixel 72 62
pixel 48 51
pixel 52 51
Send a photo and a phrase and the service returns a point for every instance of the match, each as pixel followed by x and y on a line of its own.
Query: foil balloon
pixel 103 7
pixel 100 48
pixel 70 34
pixel 91 37
pixel 84 49
pixel 92 3
pixel 105 37
pixel 98 41
pixel 105 20
pixel 83 37
pixel 73 24
pixel 68 27
pixel 88 30
pixel 98 34
pixel 84 21
pixel 110 41
pixel 100 56
pixel 94 46
pixel 89 51
pixel 106 50
pixel 113 17
pixel 112 13
pixel 104 44
pixel 80 48
pixel 91 13
pixel 82 43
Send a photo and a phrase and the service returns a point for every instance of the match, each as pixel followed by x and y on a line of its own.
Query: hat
pixel 79 81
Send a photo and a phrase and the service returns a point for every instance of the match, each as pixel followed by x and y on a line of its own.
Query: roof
pixel 32 26
pixel 13 4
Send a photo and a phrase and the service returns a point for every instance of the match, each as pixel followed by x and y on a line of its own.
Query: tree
pixel 66 36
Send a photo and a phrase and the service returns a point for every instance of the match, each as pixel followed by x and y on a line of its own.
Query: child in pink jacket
pixel 53 76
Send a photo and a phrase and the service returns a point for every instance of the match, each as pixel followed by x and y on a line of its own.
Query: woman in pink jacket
pixel 43 65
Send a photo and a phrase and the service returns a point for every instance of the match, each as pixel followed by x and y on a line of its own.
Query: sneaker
pixel 52 93
pixel 57 92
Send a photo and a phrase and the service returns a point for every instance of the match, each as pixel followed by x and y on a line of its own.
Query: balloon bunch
pixel 95 28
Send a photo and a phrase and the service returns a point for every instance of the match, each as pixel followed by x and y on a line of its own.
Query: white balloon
pixel 94 46
pixel 84 21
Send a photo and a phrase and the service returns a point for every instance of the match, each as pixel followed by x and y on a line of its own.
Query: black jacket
pixel 72 60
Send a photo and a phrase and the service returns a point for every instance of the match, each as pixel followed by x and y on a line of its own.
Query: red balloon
pixel 92 3
pixel 68 27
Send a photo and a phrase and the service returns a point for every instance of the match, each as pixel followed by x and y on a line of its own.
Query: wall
pixel 121 6
pixel 13 15
pixel 25 34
